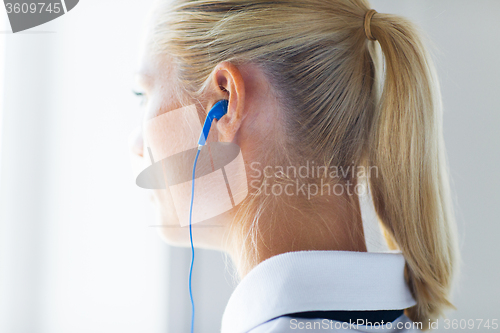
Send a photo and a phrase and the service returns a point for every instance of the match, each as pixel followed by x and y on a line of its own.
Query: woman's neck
pixel 328 223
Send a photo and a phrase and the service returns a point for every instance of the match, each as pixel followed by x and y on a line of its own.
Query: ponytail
pixel 411 194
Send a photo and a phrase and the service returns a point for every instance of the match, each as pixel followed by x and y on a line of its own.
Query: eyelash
pixel 141 95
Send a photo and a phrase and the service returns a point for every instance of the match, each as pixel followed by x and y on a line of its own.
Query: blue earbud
pixel 216 112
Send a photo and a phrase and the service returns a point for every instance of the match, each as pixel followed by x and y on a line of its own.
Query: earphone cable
pixel 191 238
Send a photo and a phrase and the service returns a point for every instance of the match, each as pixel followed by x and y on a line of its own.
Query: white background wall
pixel 76 250
pixel 78 255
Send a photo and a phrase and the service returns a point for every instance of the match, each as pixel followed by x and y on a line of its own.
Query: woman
pixel 329 83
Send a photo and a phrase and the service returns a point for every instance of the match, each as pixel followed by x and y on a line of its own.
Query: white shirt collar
pixel 315 281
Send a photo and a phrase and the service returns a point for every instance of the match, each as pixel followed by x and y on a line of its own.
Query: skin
pixel 251 112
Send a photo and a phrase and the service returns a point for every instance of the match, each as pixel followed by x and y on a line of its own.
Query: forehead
pixel 154 68
pixel 154 65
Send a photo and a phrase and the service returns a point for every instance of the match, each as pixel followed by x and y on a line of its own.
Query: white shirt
pixel 319 281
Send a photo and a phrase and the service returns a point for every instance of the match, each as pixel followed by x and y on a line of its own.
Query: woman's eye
pixel 141 95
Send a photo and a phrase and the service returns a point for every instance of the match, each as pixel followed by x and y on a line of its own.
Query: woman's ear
pixel 230 85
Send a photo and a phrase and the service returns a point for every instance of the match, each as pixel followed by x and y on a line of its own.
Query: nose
pixel 136 142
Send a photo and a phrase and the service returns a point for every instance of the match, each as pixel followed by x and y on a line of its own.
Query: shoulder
pixel 287 325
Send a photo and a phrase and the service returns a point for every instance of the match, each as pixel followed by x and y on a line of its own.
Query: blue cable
pixel 191 237
pixel 216 112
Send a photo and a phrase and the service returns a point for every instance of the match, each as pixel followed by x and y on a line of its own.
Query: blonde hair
pixel 347 99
